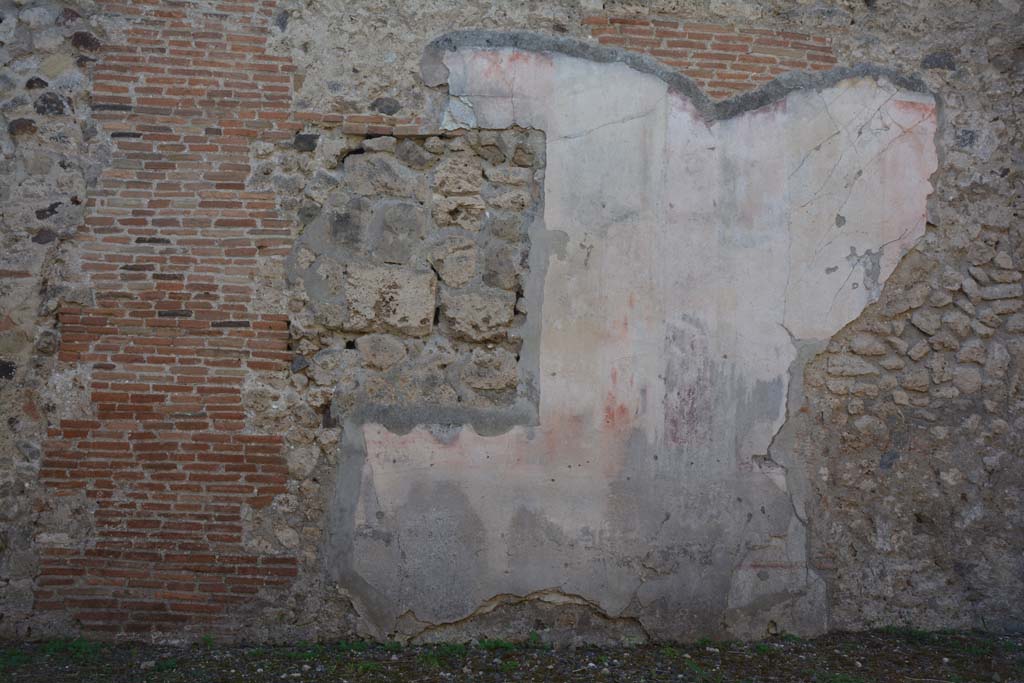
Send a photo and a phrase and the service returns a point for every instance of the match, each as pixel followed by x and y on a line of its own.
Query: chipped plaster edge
pixel 435 74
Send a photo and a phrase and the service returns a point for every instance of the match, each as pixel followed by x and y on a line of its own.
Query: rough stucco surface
pixel 694 259
pixel 759 364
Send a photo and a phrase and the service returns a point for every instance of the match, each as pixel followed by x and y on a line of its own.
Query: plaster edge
pixel 435 74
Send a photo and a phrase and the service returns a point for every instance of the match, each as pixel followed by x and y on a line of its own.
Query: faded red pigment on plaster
pixel 171 242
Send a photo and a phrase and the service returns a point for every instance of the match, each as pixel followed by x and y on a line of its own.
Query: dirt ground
pixel 887 656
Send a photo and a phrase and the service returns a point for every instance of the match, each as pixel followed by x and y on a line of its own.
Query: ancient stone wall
pixel 319 320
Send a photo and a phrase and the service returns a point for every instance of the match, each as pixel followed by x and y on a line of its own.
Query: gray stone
pixel 414 156
pixel 381 175
pixel 941 367
pixel 1015 323
pixel 383 143
pixel 381 351
pixel 915 379
pixel 505 225
pixel 347 228
pixel 919 350
pixel 388 106
pixel 967 379
pixel 396 230
pixel 944 341
pixel 302 461
pixel 958 322
pixel 939 60
pixel 1007 291
pixel 926 320
pixel 973 351
pixel 305 142
pixel 997 361
pixel 502 265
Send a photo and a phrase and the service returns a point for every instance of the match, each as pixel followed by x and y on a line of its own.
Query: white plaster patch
pixel 696 255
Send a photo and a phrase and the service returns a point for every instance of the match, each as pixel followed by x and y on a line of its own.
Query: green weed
pixel 166 664
pixel 12 659
pixel 495 644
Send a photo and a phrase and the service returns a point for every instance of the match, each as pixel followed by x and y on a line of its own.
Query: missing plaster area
pixel 410 284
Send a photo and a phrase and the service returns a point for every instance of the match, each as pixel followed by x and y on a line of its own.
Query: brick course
pixel 723 59
pixel 170 243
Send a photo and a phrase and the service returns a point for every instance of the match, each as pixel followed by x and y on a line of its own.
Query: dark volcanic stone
pixel 22 127
pixel 306 142
pixel 49 104
pixel 386 105
pixel 84 40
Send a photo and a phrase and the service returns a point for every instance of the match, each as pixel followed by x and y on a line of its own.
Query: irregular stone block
pixel 388 106
pixel 502 266
pixel 414 156
pixel 381 351
pixel 390 299
pixel 480 314
pixel 967 379
pixel 508 198
pixel 867 345
pixel 347 228
pixel 1009 291
pixel 396 230
pixel 916 379
pixel 305 142
pixel 381 175
pixel 850 366
pixel 460 212
pixel 22 127
pixel 455 260
pixel 49 104
pixel 459 174
pixel 927 321
pixel 491 369
pixel 383 143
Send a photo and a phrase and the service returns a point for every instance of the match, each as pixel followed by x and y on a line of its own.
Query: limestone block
pixel 461 212
pixel 490 369
pixel 390 299
pixel 478 314
pixel 459 174
pixel 455 260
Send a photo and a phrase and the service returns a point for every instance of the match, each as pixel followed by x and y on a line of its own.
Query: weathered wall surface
pixel 334 327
